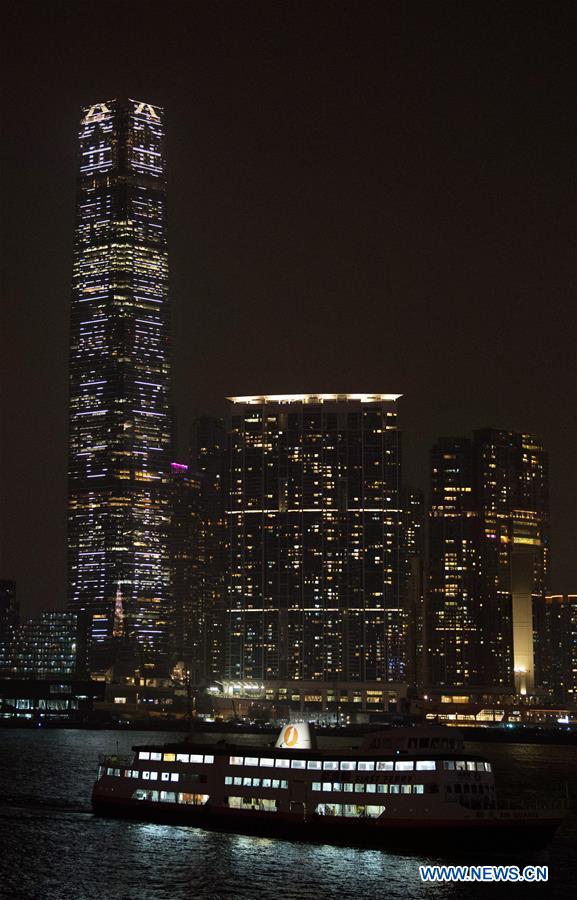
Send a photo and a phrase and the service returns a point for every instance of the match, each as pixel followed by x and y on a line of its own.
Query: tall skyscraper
pixel 120 424
pixel 314 539
pixel 488 559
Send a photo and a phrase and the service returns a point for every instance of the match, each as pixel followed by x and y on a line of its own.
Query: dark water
pixel 52 847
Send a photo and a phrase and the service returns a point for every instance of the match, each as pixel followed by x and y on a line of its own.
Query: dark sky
pixel 362 197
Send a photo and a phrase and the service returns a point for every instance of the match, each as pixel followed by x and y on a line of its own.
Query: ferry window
pixel 359 788
pixel 457 788
pixel 406 788
pixel 418 789
pixel 139 794
pixel 236 760
pixel 282 763
pixel 394 788
pixel 169 757
pixel 144 754
pixel 174 776
pixel 432 789
pixel 247 782
pixel 327 786
pixel 479 767
pixel 330 765
pixel 364 766
pixel 266 761
pixel 371 788
pixel 266 782
pixel 470 766
pixel 298 764
pixel 146 775
pixel 275 783
pixel 209 758
pixel 313 764
pixel 237 780
pixel 460 765
pixel 154 776
pixel 347 786
pixel 168 796
pixel 385 766
pixel 449 765
pixel 251 760
pixel 117 773
pixel 487 767
pixel 110 771
pixel 284 784
pixel 404 765
pixel 382 789
pixel 228 779
pixel 256 782
pixel 197 757
pixel 182 757
pixel 337 786
pixel 156 756
pixel 348 766
pixel 316 786
pixel 425 765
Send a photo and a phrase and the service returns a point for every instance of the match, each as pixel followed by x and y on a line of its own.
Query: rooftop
pixel 312 398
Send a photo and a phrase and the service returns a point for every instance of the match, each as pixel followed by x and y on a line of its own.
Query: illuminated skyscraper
pixel 315 557
pixel 120 425
pixel 488 559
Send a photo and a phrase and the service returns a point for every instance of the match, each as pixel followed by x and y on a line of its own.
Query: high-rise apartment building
pixel 559 637
pixel 51 645
pixel 488 559
pixel 120 423
pixel 187 615
pixel 314 539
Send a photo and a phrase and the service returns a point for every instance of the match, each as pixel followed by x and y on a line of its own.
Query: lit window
pixel 359 788
pixel 298 764
pixel 385 766
pixel 487 767
pixel 347 787
pixel 382 788
pixel 470 766
pixel 251 760
pixel 283 763
pixel 237 780
pixel 266 782
pixel 364 766
pixel 209 759
pixel 327 786
pixel 371 788
pixel 316 786
pixel 146 776
pixel 144 754
pixel 169 757
pixel 174 776
pixel 425 765
pixel 156 756
pixel 228 779
pixel 264 761
pixel 348 766
pixel 418 789
pixel 404 765
pixel 236 760
pixel 330 765
pixel 196 757
pixel 182 757
pixel 449 765
pixel 154 776
pixel 247 782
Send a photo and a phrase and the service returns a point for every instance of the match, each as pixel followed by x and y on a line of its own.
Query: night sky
pixel 362 197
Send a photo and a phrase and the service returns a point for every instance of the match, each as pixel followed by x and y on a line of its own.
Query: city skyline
pixel 438 260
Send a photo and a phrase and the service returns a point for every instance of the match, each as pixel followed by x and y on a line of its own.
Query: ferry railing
pixel 114 760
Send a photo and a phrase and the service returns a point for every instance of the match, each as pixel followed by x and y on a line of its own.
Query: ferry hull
pixel 437 836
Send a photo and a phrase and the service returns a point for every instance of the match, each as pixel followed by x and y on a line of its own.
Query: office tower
pixel 488 559
pixel 209 459
pixel 413 536
pixel 315 557
pixel 120 428
pixel 9 608
pixel 559 664
pixel 187 614
pixel 52 645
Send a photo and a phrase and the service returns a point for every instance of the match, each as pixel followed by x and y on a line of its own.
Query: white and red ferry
pixel 413 787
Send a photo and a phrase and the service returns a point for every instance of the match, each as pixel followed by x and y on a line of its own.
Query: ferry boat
pixel 404 787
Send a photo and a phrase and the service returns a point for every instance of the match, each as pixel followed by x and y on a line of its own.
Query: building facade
pixel 51 646
pixel 120 422
pixel 315 566
pixel 559 664
pixel 488 560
